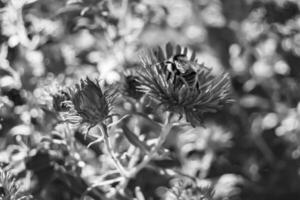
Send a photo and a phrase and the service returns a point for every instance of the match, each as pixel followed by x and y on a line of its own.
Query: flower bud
pixel 89 104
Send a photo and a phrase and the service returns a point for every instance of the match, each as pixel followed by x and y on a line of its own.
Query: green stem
pixel 110 151
pixel 162 138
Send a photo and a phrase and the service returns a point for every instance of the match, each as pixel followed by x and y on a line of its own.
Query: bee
pixel 184 68
pixel 179 70
pixel 173 66
pixel 171 70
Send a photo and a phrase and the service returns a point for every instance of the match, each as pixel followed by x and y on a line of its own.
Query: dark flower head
pixel 181 85
pixel 89 104
pixel 130 85
pixel 59 99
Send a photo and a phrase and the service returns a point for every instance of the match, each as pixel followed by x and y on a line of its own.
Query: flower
pixel 185 189
pixel 181 85
pixel 89 104
pixel 130 85
pixel 58 100
pixel 9 188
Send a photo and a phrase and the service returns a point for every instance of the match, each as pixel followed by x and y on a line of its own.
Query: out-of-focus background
pixel 249 151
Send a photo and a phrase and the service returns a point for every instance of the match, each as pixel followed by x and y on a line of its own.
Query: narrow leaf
pixel 134 140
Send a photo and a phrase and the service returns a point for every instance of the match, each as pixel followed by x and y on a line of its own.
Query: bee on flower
pixel 181 85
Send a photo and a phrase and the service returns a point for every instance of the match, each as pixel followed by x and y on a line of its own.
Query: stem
pixel 106 182
pixel 110 150
pixel 164 133
pixel 206 163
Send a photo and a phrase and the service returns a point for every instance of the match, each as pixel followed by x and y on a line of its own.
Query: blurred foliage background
pixel 250 150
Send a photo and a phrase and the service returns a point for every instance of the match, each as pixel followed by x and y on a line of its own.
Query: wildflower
pixel 181 85
pixel 9 189
pixel 51 96
pixel 188 190
pixel 58 100
pixel 89 104
pixel 131 84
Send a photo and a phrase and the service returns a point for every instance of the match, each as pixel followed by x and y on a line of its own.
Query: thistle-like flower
pixel 59 99
pixel 9 188
pixel 188 190
pixel 181 85
pixel 130 85
pixel 89 104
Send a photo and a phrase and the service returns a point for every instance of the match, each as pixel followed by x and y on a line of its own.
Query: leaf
pixel 134 140
pixel 168 162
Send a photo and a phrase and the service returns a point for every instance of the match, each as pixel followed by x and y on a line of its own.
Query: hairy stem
pixel 111 153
